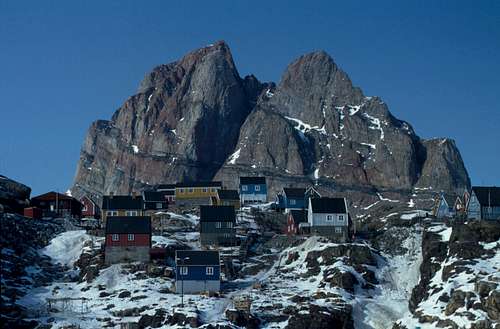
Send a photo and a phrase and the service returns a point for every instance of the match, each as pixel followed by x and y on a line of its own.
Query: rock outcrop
pixel 14 196
pixel 198 119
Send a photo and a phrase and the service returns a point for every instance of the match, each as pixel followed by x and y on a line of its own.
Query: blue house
pixel 253 189
pixel 293 198
pixel 484 203
pixel 197 271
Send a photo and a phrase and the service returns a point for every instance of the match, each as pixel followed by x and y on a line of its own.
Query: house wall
pixel 474 208
pixel 196 287
pixel 321 220
pixel 330 232
pixel 198 272
pixel 188 202
pixel 490 213
pixel 444 210
pixel 118 254
pixel 251 194
pixel 196 193
pixel 211 235
pixel 121 212
pixel 139 240
pixel 290 205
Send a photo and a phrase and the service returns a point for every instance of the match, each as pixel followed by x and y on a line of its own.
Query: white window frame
pixel 229 225
pixel 159 205
pixel 209 270
pixel 181 190
pixel 130 213
pixel 218 225
pixel 111 213
pixel 205 190
pixel 214 189
pixel 293 202
pixel 115 237
pixel 329 218
pixel 190 190
pixel 183 270
pixel 84 207
pixel 257 188
pixel 244 188
pixel 341 217
pixel 338 229
pixel 130 237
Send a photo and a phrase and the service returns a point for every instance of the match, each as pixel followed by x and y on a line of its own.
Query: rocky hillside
pixel 198 119
pixel 14 196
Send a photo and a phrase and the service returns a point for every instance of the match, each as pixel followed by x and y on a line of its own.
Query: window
pixel 205 190
pixel 257 187
pixel 131 213
pixel 84 208
pixel 112 213
pixel 341 217
pixel 158 205
pixel 229 225
pixel 210 270
pixel 183 270
pixel 131 237
pixel 338 229
pixel 214 189
pixel 292 202
pixel 181 190
pixel 115 237
pixel 329 217
pixel 244 187
pixel 218 224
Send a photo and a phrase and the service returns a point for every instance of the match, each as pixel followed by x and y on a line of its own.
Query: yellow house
pixel 121 205
pixel 227 198
pixel 196 192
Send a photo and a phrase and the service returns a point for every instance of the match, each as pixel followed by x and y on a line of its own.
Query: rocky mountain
pixel 198 119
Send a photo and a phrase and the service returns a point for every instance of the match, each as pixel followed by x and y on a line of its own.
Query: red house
pixel 294 218
pixel 55 204
pixel 90 208
pixel 128 239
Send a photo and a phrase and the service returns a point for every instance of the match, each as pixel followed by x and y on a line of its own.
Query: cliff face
pixel 197 119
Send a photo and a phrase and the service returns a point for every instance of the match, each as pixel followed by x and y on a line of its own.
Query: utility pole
pixel 183 262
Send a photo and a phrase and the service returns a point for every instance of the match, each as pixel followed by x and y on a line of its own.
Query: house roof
pixel 52 196
pixel 294 192
pixel 450 199
pixel 128 224
pixel 197 257
pixel 199 184
pixel 328 205
pixel 487 195
pixel 217 213
pixel 228 194
pixel 121 202
pixel 253 180
pixel 299 216
pixel 153 196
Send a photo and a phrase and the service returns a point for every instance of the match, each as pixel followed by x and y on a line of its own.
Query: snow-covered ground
pixel 66 248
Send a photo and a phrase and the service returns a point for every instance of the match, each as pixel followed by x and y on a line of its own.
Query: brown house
pixel 55 204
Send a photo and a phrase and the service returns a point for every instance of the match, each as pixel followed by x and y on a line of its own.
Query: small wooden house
pixel 196 193
pixel 253 189
pixel 217 225
pixel 33 212
pixel 55 204
pixel 484 203
pixel 154 201
pixel 292 198
pixel 329 217
pixel 122 205
pixel 90 208
pixel 227 198
pixel 445 206
pixel 294 219
pixel 128 239
pixel 197 271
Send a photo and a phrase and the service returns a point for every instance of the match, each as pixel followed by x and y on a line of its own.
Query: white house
pixel 329 217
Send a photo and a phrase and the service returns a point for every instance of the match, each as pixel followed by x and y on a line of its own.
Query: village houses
pixel 253 189
pixel 197 271
pixel 484 203
pixel 217 225
pixel 329 217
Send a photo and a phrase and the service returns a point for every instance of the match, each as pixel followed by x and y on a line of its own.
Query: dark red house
pixel 90 208
pixel 294 218
pixel 128 239
pixel 55 204
pixel 33 212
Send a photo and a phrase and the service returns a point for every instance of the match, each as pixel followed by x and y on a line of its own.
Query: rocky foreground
pixel 407 274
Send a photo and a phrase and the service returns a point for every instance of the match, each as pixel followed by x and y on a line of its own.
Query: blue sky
pixel 65 64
